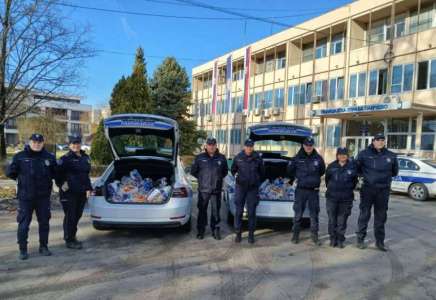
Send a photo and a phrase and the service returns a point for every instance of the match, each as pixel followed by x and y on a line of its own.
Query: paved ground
pixel 166 264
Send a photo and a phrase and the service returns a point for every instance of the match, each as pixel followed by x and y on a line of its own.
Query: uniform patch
pixel 388 160
pixel 219 163
pixel 349 172
pixel 47 162
pixel 316 163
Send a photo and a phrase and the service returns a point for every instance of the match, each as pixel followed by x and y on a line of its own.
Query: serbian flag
pixel 247 67
pixel 228 81
pixel 214 86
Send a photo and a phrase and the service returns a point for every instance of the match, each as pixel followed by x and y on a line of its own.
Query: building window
pixel 337 88
pixel 381 30
pixel 321 48
pixel 308 95
pixel 302 93
pixel 279 98
pixel 337 44
pixel 258 99
pixel 402 78
pixel 308 52
pixel 240 104
pixel 378 82
pixel 260 66
pixel 75 129
pixel 269 65
pixel 428 133
pixel 268 99
pixel 75 115
pixel 426 74
pixel 281 60
pixel 235 136
pixel 424 21
pixel 397 131
pixel 321 90
pixel 357 85
pixel 333 135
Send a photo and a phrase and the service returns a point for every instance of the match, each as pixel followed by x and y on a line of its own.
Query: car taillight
pixel 97 191
pixel 180 192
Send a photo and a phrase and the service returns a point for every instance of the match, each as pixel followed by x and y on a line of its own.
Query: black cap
pixel 379 136
pixel 249 143
pixel 37 137
pixel 75 139
pixel 211 141
pixel 342 150
pixel 309 141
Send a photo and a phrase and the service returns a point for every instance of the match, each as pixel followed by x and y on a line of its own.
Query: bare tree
pixel 40 52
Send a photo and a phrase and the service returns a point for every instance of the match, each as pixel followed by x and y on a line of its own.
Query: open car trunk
pixel 140 181
pixel 276 186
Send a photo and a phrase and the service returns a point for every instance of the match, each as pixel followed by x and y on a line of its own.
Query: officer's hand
pixel 65 187
pixel 88 194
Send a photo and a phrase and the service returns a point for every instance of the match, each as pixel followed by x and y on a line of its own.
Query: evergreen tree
pixel 100 149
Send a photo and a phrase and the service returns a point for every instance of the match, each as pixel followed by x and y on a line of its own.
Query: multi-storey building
pixel 363 68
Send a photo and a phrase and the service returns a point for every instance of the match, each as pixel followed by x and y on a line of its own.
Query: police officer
pixel 210 168
pixel 306 167
pixel 249 170
pixel 34 170
pixel 340 179
pixel 377 166
pixel 74 188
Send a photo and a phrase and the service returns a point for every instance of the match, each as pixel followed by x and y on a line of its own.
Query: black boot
pixel 216 234
pixel 251 237
pixel 333 242
pixel 23 254
pixel 360 243
pixel 200 235
pixel 73 245
pixel 341 244
pixel 238 237
pixel 381 246
pixel 296 237
pixel 315 239
pixel 43 250
pixel 78 243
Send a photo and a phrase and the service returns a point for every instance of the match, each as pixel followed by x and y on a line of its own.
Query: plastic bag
pixel 155 196
pixel 147 184
pixel 162 182
pixel 136 176
pixel 113 188
pixel 166 191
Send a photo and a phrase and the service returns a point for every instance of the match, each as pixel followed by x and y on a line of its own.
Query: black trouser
pixel 202 204
pixel 338 212
pixel 73 205
pixel 41 206
pixel 310 198
pixel 379 198
pixel 249 196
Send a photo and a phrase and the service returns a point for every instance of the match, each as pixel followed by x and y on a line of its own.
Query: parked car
pixel 279 137
pixel 136 141
pixel 417 177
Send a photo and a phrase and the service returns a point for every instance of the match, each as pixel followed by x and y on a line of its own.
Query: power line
pixel 115 52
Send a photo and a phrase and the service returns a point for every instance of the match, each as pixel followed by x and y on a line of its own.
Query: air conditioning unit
pixel 316 99
pixel 392 99
pixel 266 113
pixel 209 118
pixel 257 111
pixel 276 111
pixel 347 102
pixel 387 99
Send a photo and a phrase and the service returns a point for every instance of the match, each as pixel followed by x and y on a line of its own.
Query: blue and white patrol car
pixel 417 177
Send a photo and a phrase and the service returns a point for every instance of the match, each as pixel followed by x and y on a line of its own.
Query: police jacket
pixel 377 167
pixel 249 169
pixel 307 169
pixel 341 181
pixel 74 170
pixel 34 172
pixel 210 171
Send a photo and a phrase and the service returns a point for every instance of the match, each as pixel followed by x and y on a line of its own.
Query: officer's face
pixel 248 150
pixel 308 148
pixel 379 144
pixel 36 146
pixel 342 158
pixel 211 148
pixel 75 147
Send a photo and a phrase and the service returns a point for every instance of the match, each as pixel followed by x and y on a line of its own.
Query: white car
pixel 417 177
pixel 149 144
pixel 279 136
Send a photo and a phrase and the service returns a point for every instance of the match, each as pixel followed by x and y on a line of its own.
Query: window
pixel 321 48
pixel 75 115
pixel 251 104
pixel 260 66
pixel 239 103
pixel 337 44
pixel 353 85
pixel 268 99
pixel 422 22
pixel 381 30
pixel 75 129
pixel 235 136
pixel 382 81
pixel 293 94
pixel 340 88
pixel 258 99
pixel 308 95
pixel 281 60
pixel 402 78
pixel 378 32
pixel 357 85
pixel 269 65
pixel 426 74
pixel 333 135
pixel 321 90
pixel 279 98
pixel 406 164
pixel 378 82
pixel 302 94
pixel 428 133
pixel 307 52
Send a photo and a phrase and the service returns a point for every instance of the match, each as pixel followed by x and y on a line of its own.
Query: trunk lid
pixel 142 136
pixel 279 131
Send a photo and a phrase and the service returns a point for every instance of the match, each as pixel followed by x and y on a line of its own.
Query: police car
pixel 417 177
pixel 273 141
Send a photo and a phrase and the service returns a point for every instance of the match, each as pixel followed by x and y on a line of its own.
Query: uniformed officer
pixel 74 188
pixel 210 168
pixel 377 165
pixel 307 167
pixel 340 180
pixel 249 170
pixel 34 170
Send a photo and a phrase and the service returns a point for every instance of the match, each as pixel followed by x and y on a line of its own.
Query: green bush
pixel 100 149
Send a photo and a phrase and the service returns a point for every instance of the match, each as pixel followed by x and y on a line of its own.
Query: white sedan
pixel 417 177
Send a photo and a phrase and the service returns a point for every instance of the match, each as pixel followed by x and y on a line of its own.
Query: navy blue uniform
pixel 340 182
pixel 377 169
pixel 73 181
pixel 210 172
pixel 34 172
pixel 307 170
pixel 249 171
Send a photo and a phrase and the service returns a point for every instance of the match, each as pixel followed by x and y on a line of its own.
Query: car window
pixel 406 164
pixel 151 145
pixel 431 163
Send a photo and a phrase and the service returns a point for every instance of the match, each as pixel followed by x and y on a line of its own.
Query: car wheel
pixel 418 192
pixel 100 227
pixel 305 223
pixel 187 227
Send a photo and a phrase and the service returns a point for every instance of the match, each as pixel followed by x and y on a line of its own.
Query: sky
pixel 116 35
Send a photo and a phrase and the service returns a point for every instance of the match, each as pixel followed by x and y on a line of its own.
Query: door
pixel 357 144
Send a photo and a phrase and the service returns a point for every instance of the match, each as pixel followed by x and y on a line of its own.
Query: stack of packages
pixel 133 189
pixel 279 189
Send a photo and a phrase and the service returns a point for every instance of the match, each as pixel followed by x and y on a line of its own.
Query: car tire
pixel 418 192
pixel 305 223
pixel 186 228
pixel 100 227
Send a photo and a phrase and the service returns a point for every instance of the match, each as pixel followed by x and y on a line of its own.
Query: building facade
pixel 74 116
pixel 361 69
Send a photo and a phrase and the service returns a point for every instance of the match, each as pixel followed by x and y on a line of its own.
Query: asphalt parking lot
pixel 167 264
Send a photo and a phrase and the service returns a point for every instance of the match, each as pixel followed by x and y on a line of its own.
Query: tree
pixel 39 53
pixel 171 97
pixel 100 148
